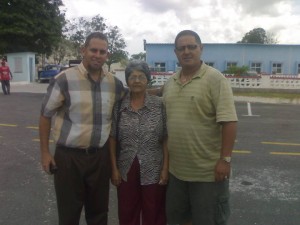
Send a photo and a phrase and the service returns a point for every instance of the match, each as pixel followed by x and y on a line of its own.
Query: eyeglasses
pixel 189 47
pixel 140 78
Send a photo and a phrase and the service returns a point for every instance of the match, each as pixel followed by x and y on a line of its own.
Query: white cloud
pixel 216 21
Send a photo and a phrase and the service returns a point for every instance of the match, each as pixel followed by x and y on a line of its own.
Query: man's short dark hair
pixel 188 32
pixel 98 35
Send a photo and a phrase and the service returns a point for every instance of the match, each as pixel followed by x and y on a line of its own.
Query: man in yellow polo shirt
pixel 201 122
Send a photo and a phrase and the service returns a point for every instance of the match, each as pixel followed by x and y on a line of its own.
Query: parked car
pixel 74 62
pixel 48 72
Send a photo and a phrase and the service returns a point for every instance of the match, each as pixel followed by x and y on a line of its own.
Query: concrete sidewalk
pixel 33 87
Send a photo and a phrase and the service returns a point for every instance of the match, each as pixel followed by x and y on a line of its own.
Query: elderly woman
pixel 140 169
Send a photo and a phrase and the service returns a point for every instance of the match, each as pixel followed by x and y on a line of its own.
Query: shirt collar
pixel 84 71
pixel 126 102
pixel 200 73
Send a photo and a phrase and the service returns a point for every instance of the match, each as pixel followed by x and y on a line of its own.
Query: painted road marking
pixel 8 125
pixel 249 110
pixel 241 151
pixel 234 151
pixel 280 143
pixel 286 153
pixel 31 127
pixel 38 140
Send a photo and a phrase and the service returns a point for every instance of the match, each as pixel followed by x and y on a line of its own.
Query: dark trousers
pixel 138 202
pixel 82 180
pixel 202 203
pixel 5 87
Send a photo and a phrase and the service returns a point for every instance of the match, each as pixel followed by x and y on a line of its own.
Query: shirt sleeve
pixel 53 100
pixel 224 103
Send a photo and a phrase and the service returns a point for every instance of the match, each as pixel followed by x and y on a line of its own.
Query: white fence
pixel 265 81
pixel 261 81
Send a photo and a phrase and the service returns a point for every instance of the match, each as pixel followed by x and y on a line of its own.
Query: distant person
pixel 201 123
pixel 140 169
pixel 4 59
pixel 81 100
pixel 5 77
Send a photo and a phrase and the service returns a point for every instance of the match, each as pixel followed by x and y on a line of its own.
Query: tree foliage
pixel 116 46
pixel 31 25
pixel 139 56
pixel 260 36
pixel 236 70
pixel 79 28
pixel 63 49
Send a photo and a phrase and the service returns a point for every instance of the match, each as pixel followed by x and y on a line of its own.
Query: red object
pixel 140 202
pixel 4 73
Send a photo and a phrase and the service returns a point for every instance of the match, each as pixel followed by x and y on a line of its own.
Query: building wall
pixel 22 66
pixel 242 54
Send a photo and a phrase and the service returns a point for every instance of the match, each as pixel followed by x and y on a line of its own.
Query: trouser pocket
pixel 222 210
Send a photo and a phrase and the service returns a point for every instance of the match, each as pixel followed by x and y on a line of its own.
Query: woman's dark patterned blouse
pixel 141 135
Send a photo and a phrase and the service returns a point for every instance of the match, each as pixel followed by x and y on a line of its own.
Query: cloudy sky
pixel 216 21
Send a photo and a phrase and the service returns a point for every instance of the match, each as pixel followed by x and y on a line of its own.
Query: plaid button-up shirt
pixel 82 107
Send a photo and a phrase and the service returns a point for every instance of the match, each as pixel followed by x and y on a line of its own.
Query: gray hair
pixel 137 65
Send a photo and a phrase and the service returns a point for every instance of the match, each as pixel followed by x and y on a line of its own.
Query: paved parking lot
pixel 265 185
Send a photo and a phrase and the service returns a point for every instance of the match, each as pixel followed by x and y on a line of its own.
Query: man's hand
pixel 222 170
pixel 46 160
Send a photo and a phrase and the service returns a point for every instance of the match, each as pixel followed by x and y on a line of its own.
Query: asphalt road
pixel 265 183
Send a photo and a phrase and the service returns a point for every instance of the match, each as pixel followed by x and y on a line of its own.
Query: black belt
pixel 89 150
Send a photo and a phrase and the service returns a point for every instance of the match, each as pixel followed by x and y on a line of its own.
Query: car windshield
pixel 53 68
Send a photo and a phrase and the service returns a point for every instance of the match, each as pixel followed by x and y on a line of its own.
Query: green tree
pixel 116 47
pixel 31 25
pixel 139 56
pixel 260 36
pixel 64 48
pixel 79 28
pixel 271 38
pixel 236 70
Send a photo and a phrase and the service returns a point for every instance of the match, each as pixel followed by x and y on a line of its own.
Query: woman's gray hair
pixel 137 65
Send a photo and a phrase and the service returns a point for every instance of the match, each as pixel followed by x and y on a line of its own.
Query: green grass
pixel 269 95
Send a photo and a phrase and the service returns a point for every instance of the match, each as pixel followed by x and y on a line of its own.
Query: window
pixel 276 68
pixel 256 66
pixel 159 67
pixel 18 65
pixel 230 64
pixel 210 64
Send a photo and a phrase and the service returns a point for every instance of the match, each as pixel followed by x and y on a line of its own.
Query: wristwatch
pixel 227 159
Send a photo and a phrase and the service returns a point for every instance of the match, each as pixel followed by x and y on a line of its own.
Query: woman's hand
pixel 116 177
pixel 164 176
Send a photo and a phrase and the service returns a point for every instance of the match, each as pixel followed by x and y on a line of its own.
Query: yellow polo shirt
pixel 194 111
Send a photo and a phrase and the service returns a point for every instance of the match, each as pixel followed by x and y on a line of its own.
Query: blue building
pixel 273 59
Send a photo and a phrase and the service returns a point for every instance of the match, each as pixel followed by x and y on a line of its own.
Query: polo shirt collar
pixel 200 73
